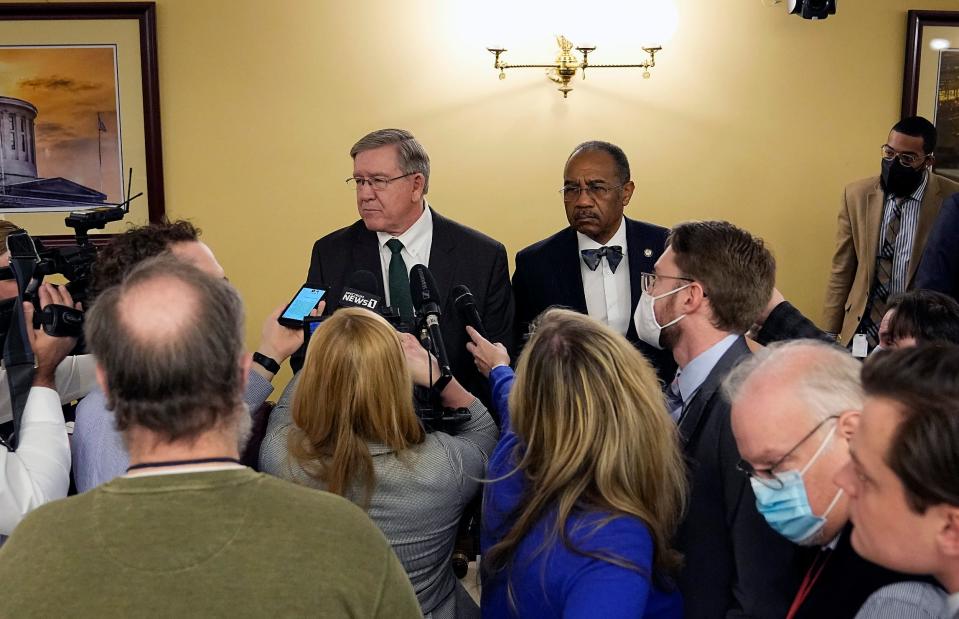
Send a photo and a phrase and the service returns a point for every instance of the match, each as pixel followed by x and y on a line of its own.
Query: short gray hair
pixel 824 376
pixel 410 154
pixel 177 386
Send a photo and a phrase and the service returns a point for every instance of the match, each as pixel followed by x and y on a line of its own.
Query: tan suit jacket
pixel 857 241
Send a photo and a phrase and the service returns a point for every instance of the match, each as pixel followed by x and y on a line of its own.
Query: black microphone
pixel 426 301
pixel 359 292
pixel 466 306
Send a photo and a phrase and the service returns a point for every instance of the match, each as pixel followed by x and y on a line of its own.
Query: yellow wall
pixel 750 115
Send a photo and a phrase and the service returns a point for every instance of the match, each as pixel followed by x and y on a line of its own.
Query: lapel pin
pixel 648 253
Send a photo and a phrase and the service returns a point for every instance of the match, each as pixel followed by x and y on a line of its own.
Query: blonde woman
pixel 587 484
pixel 352 430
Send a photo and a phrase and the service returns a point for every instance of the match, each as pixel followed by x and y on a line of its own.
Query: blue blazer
pixel 939 267
pixel 548 274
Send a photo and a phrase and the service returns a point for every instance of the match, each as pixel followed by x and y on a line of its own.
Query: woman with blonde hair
pixel 587 485
pixel 352 430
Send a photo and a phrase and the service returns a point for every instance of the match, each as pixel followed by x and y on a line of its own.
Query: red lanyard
pixel 812 575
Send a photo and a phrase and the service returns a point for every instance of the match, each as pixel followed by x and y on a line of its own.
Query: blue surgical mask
pixel 787 509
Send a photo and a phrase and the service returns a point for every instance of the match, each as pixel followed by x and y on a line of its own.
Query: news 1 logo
pixel 357 299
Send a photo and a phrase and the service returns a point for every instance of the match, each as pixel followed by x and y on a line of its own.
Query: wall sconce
pixel 567 64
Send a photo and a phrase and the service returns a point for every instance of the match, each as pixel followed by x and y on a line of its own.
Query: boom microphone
pixel 359 292
pixel 466 306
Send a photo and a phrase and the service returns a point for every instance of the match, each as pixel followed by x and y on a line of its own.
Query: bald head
pixel 168 343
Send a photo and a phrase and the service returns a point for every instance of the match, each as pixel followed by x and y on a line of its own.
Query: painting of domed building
pixel 59 142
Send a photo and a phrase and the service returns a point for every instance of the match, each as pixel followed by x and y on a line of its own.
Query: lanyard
pixel 812 575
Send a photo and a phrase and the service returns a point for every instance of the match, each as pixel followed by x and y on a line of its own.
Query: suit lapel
pixel 695 414
pixel 442 262
pixel 875 200
pixel 928 212
pixel 571 286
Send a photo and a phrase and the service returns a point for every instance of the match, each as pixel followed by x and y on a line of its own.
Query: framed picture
pixel 930 85
pixel 79 114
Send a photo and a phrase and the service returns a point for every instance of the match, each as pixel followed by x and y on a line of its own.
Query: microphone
pixel 466 306
pixel 426 301
pixel 359 292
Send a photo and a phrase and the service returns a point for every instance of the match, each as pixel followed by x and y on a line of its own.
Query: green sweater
pixel 231 543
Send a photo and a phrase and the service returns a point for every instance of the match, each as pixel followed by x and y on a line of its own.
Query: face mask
pixel 647 328
pixel 898 179
pixel 787 510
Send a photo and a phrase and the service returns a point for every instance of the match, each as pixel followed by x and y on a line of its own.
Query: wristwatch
pixel 268 364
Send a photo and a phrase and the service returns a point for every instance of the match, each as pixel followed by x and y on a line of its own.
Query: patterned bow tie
pixel 613 253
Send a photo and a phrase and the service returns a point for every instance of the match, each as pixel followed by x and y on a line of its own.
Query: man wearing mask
pixel 710 285
pixel 884 222
pixel 795 407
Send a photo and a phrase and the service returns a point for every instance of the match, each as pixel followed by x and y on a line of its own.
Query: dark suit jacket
pixel 846 581
pixel 548 274
pixel 735 564
pixel 458 255
pixel 939 268
pixel 785 323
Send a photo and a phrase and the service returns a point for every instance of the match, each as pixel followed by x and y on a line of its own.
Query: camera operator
pixel 39 470
pixel 75 376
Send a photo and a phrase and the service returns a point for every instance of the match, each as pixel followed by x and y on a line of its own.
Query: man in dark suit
pixel 595 265
pixel 397 230
pixel 939 268
pixel 795 407
pixel 708 287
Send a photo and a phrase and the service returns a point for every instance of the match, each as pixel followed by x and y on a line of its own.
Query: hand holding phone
pixel 301 305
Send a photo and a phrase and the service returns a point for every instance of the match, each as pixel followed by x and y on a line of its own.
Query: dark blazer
pixel 785 323
pixel 458 255
pixel 735 564
pixel 548 274
pixel 846 581
pixel 939 268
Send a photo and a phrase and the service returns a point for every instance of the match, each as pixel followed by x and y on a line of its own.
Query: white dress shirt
pixel 76 377
pixel 39 471
pixel 608 297
pixel 417 242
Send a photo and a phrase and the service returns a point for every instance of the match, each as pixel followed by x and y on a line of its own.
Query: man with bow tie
pixel 595 265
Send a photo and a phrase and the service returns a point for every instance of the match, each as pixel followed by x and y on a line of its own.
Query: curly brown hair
pixel 134 246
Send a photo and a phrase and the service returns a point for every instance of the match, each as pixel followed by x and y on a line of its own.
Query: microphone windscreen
pixel 422 287
pixel 363 280
pixel 462 296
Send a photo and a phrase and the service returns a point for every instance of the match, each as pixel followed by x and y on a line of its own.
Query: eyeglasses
pixel 597 191
pixel 378 183
pixel 648 280
pixel 909 160
pixel 767 477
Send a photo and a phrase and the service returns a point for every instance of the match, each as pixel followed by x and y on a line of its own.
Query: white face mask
pixel 647 328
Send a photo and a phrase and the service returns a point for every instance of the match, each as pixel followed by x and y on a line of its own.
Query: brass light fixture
pixel 564 69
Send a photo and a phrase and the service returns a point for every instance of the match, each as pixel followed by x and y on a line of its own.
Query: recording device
pixel 426 302
pixel 310 325
pixel 359 292
pixel 30 262
pixel 811 9
pixel 301 305
pixel 466 306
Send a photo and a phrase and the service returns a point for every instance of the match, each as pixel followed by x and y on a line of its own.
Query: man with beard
pixel 594 266
pixel 883 225
pixel 710 285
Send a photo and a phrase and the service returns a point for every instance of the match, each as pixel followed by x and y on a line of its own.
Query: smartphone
pixel 300 307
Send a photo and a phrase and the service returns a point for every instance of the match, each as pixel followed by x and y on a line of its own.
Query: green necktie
pixel 399 278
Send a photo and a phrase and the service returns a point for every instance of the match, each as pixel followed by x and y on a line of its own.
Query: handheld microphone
pixel 466 306
pixel 359 292
pixel 426 302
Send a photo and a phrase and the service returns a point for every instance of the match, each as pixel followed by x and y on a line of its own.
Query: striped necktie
pixel 879 295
